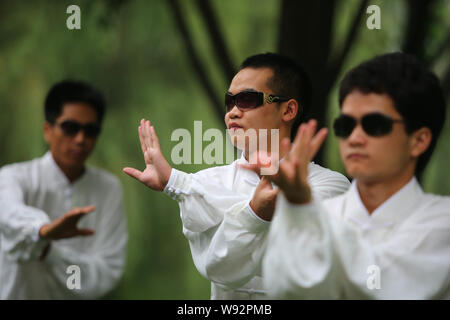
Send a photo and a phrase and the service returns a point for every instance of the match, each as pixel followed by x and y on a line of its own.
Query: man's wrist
pixel 43 232
pixel 258 213
pixel 166 179
pixel 302 197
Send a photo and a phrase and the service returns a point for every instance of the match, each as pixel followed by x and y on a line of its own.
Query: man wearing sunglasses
pixel 226 211
pixel 51 207
pixel 384 238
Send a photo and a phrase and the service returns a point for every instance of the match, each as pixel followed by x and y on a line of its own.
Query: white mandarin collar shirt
pixel 333 249
pixel 227 239
pixel 392 211
pixel 36 192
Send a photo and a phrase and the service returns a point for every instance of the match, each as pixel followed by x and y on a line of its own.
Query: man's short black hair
pixel 415 91
pixel 289 80
pixel 70 91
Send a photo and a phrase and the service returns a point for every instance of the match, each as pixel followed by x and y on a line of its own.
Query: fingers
pixel 144 134
pixel 298 141
pixel 148 134
pixel 154 138
pixel 88 209
pixel 265 183
pixel 307 143
pixel 317 142
pixel 141 137
pixel 81 210
pixel 147 140
pixel 134 173
pixel 285 147
pixel 84 232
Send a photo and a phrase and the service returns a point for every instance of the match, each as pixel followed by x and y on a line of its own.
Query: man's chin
pixel 76 160
pixel 237 143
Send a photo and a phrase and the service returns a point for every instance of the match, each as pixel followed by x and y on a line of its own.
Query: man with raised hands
pixel 225 210
pixel 384 238
pixel 63 231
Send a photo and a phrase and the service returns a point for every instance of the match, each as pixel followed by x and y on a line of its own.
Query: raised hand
pixel 292 175
pixel 157 170
pixel 66 226
pixel 264 198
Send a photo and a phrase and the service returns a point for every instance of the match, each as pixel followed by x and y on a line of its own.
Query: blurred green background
pixel 134 52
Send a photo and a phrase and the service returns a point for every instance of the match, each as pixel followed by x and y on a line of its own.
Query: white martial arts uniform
pixel 36 192
pixel 226 238
pixel 335 250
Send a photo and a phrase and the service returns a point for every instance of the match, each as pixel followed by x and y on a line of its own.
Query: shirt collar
pixel 392 211
pixel 57 176
pixel 250 176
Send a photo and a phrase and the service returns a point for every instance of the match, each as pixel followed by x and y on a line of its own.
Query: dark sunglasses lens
pixel 92 130
pixel 70 128
pixel 247 100
pixel 376 124
pixel 343 126
pixel 229 101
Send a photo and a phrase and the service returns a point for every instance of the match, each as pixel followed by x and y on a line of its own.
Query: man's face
pixel 267 116
pixel 372 159
pixel 71 151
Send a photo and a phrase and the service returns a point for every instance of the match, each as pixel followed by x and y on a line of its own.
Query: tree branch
pixel 216 38
pixel 416 27
pixel 439 51
pixel 200 71
pixel 446 83
pixel 336 66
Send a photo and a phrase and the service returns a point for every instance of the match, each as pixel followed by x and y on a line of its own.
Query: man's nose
pixel 80 137
pixel 358 136
pixel 235 112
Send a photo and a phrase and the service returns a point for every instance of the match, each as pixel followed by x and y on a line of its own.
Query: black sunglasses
pixel 71 128
pixel 374 124
pixel 250 99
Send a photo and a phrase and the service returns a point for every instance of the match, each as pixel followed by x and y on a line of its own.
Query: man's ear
pixel 420 141
pixel 47 131
pixel 290 111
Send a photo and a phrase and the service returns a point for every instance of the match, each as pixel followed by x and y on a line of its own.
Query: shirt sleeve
pixel 238 246
pixel 102 264
pixel 227 239
pixel 313 254
pixel 19 223
pixel 204 204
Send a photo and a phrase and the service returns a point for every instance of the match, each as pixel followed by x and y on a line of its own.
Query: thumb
pixel 274 193
pixel 87 209
pixel 265 183
pixel 134 173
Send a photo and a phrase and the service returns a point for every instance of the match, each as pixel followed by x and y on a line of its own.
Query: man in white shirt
pixel 43 253
pixel 226 211
pixel 384 238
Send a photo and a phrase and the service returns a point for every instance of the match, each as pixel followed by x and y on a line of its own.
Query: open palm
pixel 292 176
pixel 157 170
pixel 66 226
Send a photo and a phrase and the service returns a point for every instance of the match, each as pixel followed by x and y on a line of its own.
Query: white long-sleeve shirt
pixel 335 250
pixel 36 192
pixel 227 239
